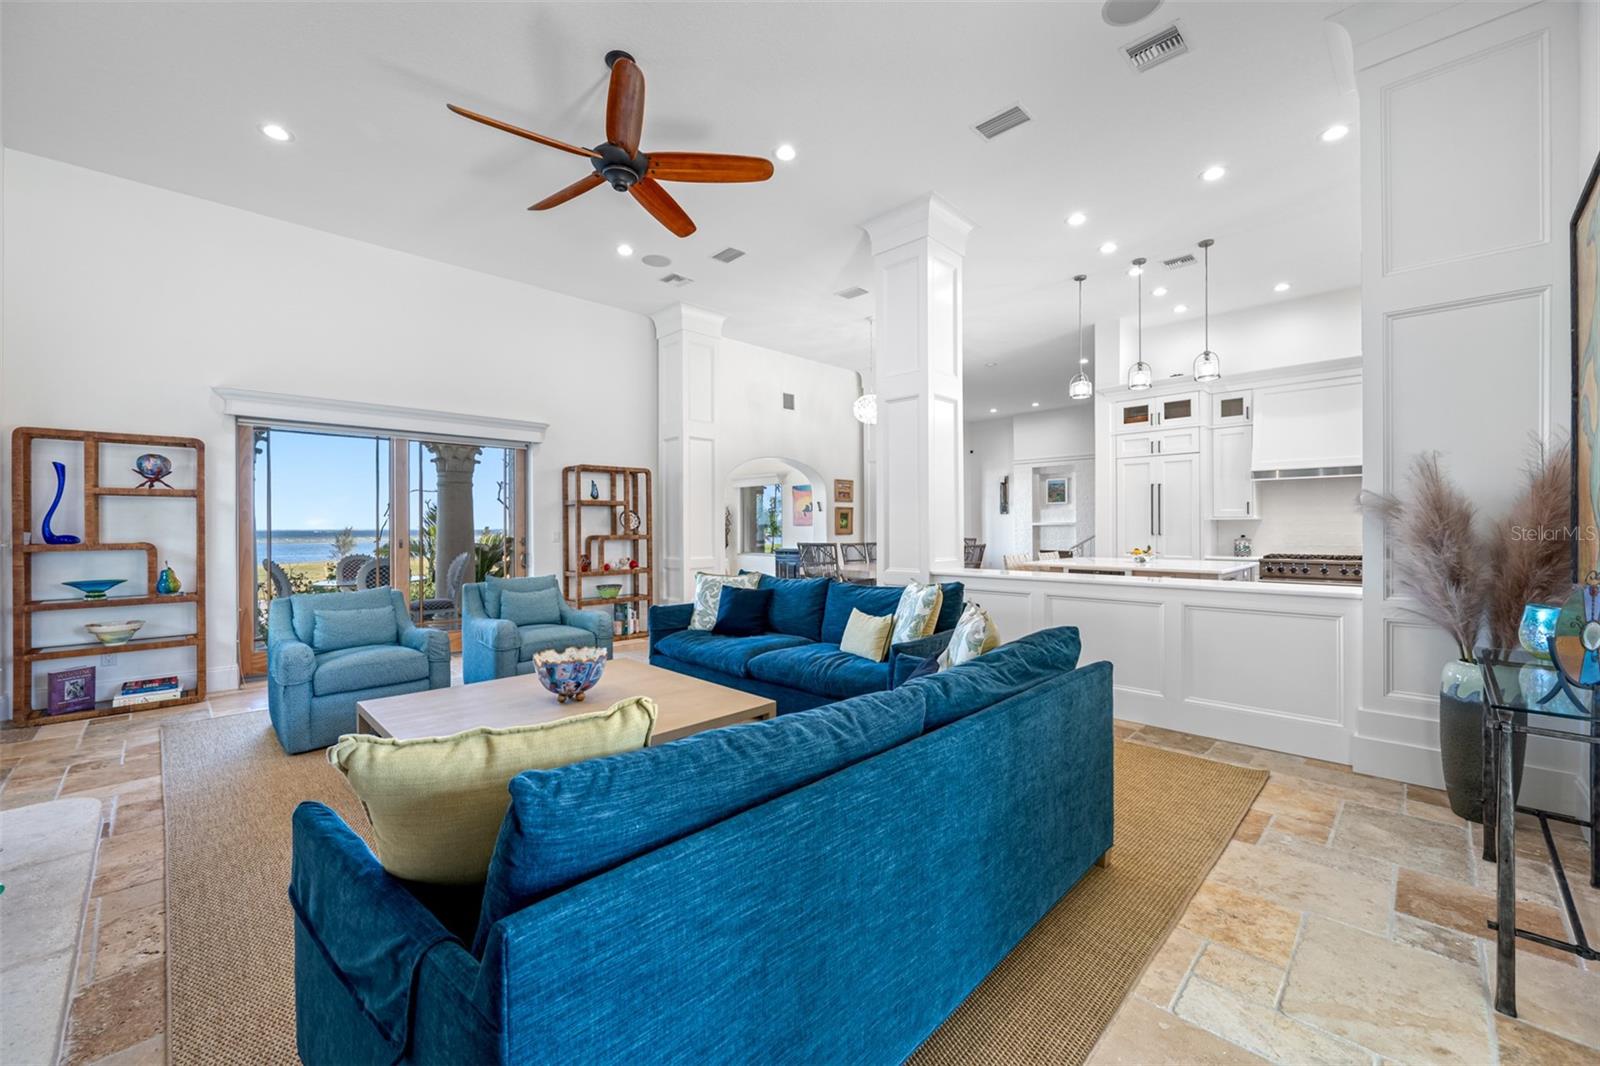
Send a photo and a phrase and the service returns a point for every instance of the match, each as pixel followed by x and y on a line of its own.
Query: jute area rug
pixel 230 955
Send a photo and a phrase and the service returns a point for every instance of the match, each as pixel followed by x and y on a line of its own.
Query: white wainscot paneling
pixel 1459 137
pixel 1265 662
pixel 1129 633
pixel 1012 610
pixel 1416 652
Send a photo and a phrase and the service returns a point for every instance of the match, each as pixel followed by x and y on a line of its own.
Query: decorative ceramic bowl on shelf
pixel 115 632
pixel 95 589
pixel 608 592
pixel 570 673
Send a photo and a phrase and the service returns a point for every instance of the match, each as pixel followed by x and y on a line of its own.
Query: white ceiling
pixel 878 98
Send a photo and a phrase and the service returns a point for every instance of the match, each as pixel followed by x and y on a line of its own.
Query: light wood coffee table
pixel 684 705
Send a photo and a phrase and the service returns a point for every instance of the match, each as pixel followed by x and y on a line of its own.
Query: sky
pixel 328 481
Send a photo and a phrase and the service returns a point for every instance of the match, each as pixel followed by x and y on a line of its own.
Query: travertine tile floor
pixel 1343 924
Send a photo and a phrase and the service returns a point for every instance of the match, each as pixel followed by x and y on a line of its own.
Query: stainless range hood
pixel 1307 430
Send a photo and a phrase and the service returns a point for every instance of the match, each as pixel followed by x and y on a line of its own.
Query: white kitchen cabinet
pixel 1308 429
pixel 1233 490
pixel 1133 416
pixel 1181 409
pixel 1167 442
pixel 1158 505
pixel 1231 408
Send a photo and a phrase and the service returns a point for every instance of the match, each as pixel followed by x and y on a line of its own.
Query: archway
pixel 762 510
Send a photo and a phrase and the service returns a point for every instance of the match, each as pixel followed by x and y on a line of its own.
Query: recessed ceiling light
pixel 1215 172
pixel 994 410
pixel 1180 308
pixel 624 249
pixel 1135 271
pixel 275 132
pixel 1036 403
pixel 785 152
pixel 1077 218
pixel 991 364
pixel 1108 247
pixel 1159 290
pixel 1282 286
pixel 1083 360
pixel 1336 132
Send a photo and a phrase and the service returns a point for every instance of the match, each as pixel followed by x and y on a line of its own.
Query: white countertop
pixel 1157 567
pixel 1147 580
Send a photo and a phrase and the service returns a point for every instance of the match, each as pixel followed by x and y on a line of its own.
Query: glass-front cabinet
pixel 1158 412
pixel 1231 408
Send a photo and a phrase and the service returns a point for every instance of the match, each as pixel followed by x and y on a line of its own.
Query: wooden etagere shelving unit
pixel 28 545
pixel 600 528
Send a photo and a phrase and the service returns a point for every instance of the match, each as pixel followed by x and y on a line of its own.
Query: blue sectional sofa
pixel 364 647
pixel 798 664
pixel 492 646
pixel 823 887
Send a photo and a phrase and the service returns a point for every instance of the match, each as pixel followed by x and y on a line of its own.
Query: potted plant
pixel 1473 580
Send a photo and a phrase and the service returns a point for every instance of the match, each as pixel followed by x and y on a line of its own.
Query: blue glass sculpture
pixel 50 536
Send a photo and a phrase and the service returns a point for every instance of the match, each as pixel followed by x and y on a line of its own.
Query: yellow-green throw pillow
pixel 708 594
pixel 867 635
pixel 917 612
pixel 974 635
pixel 436 803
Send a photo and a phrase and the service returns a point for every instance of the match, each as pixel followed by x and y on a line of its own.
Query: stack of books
pixel 147 690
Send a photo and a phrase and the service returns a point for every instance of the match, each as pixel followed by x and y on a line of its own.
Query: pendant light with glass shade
pixel 1080 387
pixel 1141 377
pixel 866 406
pixel 1207 365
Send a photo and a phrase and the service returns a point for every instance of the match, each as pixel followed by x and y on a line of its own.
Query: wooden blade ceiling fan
pixel 620 162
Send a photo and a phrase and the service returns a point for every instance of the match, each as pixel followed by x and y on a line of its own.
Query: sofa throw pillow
pixel 436 803
pixel 742 612
pixel 333 630
pixel 708 594
pixel 542 607
pixel 867 635
pixel 917 613
pixel 974 634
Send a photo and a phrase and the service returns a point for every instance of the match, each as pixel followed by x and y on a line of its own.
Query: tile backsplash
pixel 1307 516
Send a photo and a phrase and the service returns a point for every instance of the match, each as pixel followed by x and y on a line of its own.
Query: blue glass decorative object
pixel 50 535
pixel 1537 627
pixel 94 589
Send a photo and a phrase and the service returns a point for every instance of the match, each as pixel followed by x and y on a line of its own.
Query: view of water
pixel 310 545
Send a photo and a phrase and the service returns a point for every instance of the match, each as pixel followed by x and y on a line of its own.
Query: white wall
pixel 820 435
pixel 1311 516
pixel 1284 332
pixel 988 460
pixel 1588 86
pixel 1053 434
pixel 126 304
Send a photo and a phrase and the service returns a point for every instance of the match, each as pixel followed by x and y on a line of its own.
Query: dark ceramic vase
pixel 1461 740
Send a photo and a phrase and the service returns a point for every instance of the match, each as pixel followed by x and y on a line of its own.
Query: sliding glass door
pixel 328 510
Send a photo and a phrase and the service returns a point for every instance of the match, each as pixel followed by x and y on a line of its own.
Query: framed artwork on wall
pixel 844 521
pixel 1586 376
pixel 1057 490
pixel 803 506
pixel 844 490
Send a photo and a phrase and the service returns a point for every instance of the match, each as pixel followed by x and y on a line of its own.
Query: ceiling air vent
pixel 1178 262
pixel 728 255
pixel 676 280
pixel 1157 49
pixel 1009 119
pixel 852 292
pixel 788 401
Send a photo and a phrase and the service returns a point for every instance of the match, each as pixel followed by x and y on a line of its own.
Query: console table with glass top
pixel 1526 695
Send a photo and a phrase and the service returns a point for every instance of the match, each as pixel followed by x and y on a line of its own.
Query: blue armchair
pixel 496 646
pixel 326 652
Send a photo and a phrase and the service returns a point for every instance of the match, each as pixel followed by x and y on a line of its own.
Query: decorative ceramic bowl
pixel 96 589
pixel 115 632
pixel 152 465
pixel 570 673
pixel 608 592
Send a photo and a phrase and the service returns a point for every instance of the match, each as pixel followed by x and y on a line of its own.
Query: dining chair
pixel 820 560
pixel 372 575
pixel 853 553
pixel 1012 560
pixel 346 569
pixel 972 555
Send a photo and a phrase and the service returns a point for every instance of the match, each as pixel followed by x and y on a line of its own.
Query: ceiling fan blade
pixel 625 105
pixel 654 199
pixel 520 132
pixel 576 189
pixel 708 166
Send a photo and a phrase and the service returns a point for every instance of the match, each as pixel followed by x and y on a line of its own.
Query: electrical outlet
pixel 108 660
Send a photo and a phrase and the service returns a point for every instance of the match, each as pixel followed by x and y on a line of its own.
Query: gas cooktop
pixel 1330 569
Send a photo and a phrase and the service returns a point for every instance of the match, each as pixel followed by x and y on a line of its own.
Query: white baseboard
pixel 1542 786
pixel 222 678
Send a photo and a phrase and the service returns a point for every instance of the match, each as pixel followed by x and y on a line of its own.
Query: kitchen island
pixel 1273 664
pixel 1128 566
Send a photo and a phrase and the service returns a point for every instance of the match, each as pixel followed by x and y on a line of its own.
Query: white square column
pixel 918 251
pixel 690 538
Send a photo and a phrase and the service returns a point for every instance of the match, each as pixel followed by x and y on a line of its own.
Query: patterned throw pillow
pixel 708 594
pixel 974 634
pixel 917 613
